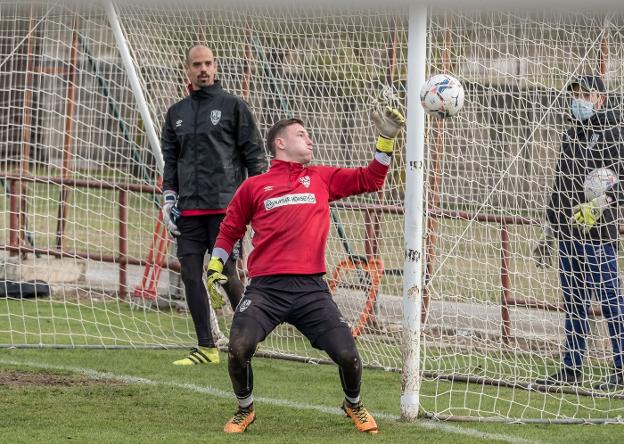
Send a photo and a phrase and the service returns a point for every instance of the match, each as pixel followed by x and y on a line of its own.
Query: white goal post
pixel 435 273
pixel 414 208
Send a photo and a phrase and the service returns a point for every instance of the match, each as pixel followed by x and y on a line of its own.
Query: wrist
pixel 215 264
pixel 383 158
pixel 220 253
pixel 384 144
pixel 170 196
pixel 603 201
pixel 548 231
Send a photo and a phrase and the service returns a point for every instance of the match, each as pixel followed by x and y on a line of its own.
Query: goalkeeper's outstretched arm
pixel 345 182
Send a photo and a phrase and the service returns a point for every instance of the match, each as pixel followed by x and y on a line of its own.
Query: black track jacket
pixel 210 144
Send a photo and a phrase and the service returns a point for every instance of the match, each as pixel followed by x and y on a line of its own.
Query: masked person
pixel 584 226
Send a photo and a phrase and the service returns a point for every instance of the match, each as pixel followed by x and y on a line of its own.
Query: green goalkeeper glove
pixel 543 251
pixel 389 124
pixel 214 276
pixel 587 214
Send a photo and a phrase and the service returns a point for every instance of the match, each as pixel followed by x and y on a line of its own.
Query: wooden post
pixel 26 136
pixel 434 179
pixel 123 243
pixel 505 285
pixel 67 143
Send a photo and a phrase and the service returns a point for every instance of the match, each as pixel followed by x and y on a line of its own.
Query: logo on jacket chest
pixel 289 199
pixel 215 116
pixel 305 181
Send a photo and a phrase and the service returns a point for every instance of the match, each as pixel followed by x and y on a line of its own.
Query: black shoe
pixel 615 381
pixel 564 375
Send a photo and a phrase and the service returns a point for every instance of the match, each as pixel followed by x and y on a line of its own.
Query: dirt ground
pixel 20 378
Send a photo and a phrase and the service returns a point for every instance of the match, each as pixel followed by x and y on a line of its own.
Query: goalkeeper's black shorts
pixel 301 300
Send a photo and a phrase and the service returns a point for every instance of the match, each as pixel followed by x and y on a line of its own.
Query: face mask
pixel 582 109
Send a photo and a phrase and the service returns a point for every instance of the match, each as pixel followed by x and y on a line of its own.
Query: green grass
pixel 112 324
pixel 466 268
pixel 177 407
pixel 53 322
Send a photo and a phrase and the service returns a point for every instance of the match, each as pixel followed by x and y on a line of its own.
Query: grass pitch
pixel 138 396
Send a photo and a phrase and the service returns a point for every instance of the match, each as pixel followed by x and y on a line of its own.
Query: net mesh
pixel 81 205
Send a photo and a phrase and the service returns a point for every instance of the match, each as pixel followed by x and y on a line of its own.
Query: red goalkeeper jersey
pixel 288 209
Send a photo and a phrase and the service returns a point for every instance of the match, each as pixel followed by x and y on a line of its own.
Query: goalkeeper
pixel 586 231
pixel 210 142
pixel 288 209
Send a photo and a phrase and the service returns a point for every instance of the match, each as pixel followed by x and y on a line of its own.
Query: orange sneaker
pixel 363 420
pixel 241 420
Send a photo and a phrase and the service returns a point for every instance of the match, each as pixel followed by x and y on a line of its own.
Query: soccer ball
pixel 598 182
pixel 442 96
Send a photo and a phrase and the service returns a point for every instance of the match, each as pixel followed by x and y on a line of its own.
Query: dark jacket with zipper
pixel 595 143
pixel 210 144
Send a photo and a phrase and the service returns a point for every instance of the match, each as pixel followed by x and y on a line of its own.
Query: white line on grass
pixel 426 424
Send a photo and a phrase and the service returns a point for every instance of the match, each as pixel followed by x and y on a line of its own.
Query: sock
pixel 353 401
pixel 245 402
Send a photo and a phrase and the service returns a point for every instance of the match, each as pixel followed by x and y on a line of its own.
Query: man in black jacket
pixel 210 144
pixel 585 225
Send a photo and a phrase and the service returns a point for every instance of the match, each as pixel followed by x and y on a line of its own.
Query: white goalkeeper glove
pixel 587 214
pixel 543 251
pixel 170 212
pixel 389 124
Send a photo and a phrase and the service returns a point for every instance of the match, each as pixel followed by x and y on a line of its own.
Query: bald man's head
pixel 201 66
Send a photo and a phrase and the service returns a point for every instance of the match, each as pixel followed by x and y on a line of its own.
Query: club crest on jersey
pixel 305 181
pixel 215 116
pixel 244 305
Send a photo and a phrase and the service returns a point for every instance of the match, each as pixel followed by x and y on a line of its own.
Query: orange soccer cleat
pixel 241 420
pixel 363 420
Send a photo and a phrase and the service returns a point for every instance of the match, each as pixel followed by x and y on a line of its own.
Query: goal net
pixel 80 209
